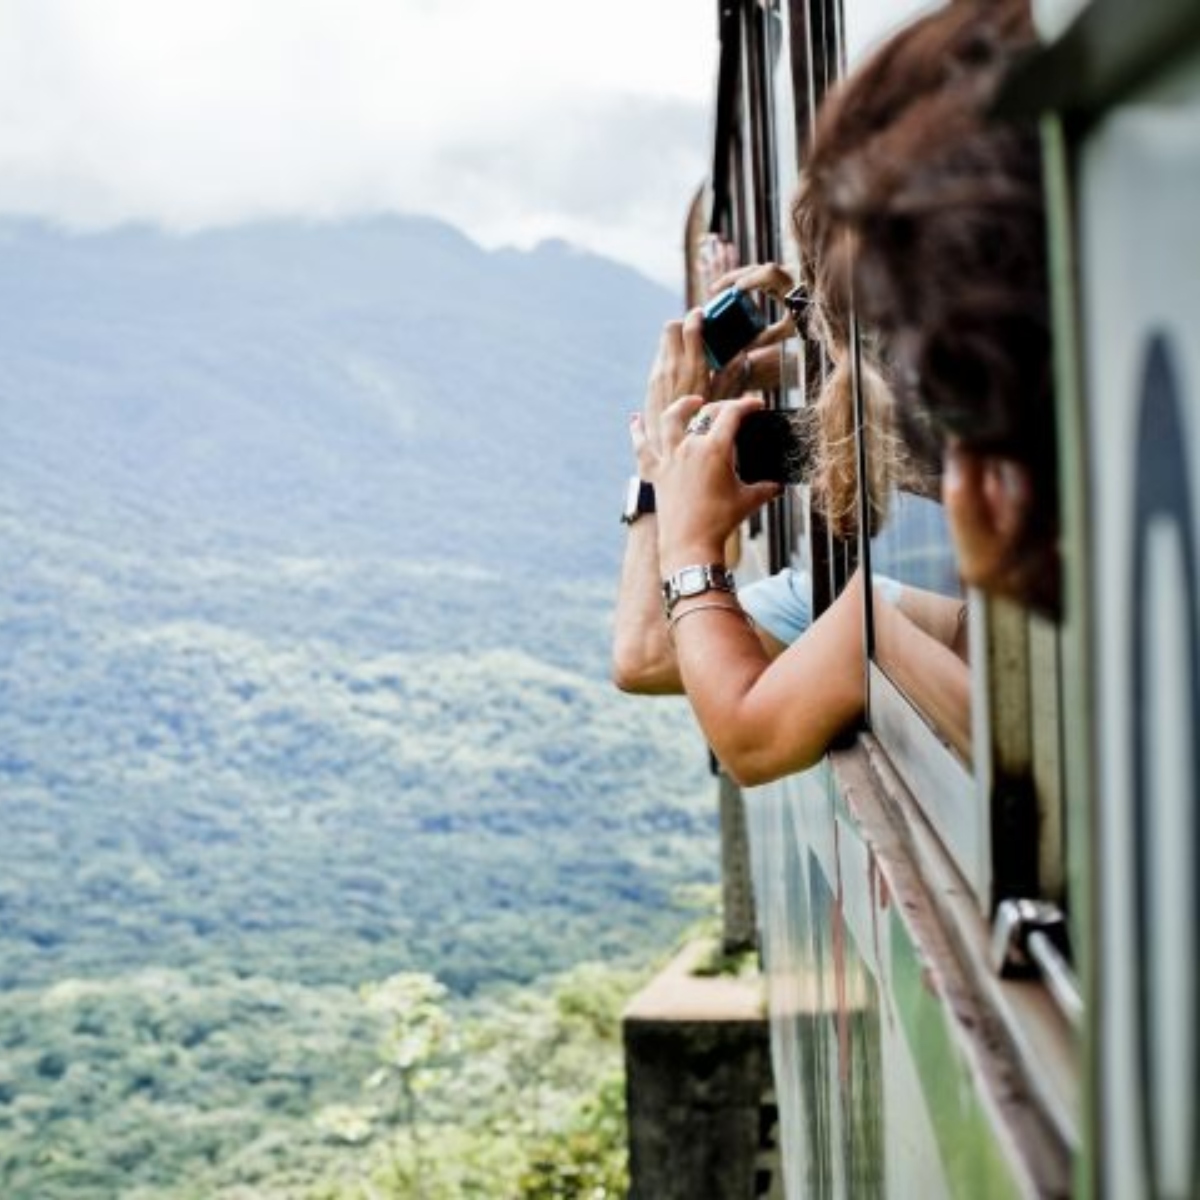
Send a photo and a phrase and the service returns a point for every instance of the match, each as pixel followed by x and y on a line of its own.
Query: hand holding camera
pixel 774 445
pixel 731 321
pixel 770 279
pixel 771 445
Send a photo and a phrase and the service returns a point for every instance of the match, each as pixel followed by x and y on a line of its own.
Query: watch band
pixel 639 500
pixel 695 581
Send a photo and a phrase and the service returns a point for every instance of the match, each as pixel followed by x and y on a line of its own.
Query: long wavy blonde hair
pixel 834 469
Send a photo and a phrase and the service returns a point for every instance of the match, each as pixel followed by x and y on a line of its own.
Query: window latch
pixel 1029 937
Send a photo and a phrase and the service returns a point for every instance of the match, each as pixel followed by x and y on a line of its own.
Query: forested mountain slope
pixel 307 552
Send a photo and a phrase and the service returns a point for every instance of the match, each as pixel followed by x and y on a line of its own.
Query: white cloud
pixel 515 121
pixel 869 22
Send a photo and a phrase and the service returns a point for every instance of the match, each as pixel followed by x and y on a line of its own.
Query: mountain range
pixel 309 536
pixel 308 547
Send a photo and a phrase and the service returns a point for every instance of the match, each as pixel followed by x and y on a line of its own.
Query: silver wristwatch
pixel 695 581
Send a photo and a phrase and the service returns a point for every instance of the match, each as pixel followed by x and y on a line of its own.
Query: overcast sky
pixel 514 120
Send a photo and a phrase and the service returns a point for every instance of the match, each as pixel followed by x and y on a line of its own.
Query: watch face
pixel 692 581
pixel 639 500
pixel 630 512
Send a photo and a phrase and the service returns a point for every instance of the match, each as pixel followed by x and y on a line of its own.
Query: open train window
pixel 921 687
pixel 963 691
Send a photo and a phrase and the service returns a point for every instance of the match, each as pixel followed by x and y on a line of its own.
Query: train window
pixel 783 107
pixel 964 697
pixel 920 615
pixel 963 690
pixel 920 678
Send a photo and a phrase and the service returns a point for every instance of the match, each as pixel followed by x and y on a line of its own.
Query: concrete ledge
pixel 698 1066
pixel 678 993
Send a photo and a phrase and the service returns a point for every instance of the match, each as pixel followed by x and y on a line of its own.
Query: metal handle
pixel 1029 937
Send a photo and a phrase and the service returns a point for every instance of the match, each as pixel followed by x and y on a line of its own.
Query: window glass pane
pixel 1054 17
pixel 914 547
pixel 920 615
pixel 783 108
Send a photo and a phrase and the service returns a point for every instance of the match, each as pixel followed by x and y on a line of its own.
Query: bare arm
pixel 763 717
pixel 921 644
pixel 767 719
pixel 940 616
pixel 643 658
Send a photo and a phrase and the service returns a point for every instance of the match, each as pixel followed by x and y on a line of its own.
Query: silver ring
pixel 700 423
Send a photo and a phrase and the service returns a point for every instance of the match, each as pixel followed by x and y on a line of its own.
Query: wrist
pixel 696 580
pixel 674 557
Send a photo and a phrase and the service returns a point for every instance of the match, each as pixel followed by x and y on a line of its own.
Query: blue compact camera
pixel 731 322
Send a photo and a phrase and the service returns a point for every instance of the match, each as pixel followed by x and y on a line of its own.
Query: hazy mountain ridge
pixel 298 524
pixel 308 545
pixel 346 375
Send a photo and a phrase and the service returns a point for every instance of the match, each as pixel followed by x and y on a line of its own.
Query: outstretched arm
pixel 644 659
pixel 763 717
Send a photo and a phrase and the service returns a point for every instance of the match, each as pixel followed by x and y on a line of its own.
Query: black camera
pixel 731 322
pixel 774 444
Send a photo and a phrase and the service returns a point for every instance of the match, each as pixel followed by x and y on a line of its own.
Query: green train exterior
pixel 982 968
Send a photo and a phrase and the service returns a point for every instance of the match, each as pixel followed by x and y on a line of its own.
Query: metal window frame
pixel 1000 819
pixel 960 837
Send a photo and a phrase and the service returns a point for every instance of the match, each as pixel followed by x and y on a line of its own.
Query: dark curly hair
pixel 927 215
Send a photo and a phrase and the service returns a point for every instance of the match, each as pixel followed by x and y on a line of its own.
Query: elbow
pixel 761 744
pixel 626 670
pixel 748 775
pixel 757 772
pixel 753 763
pixel 747 764
pixel 751 770
pixel 643 663
pixel 625 677
pixel 638 675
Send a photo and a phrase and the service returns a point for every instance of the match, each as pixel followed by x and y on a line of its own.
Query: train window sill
pixel 1041 1040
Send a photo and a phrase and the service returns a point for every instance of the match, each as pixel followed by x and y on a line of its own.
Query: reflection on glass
pixel 920 615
